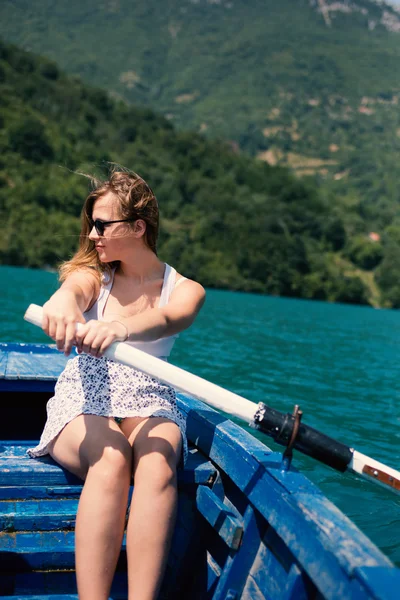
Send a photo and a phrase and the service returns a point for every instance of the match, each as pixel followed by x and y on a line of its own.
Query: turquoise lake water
pixel 340 363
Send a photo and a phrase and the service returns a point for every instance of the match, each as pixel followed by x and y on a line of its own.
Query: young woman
pixel 107 421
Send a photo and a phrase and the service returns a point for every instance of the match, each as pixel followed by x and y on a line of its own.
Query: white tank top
pixel 161 347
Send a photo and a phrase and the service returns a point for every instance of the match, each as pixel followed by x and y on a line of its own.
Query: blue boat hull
pixel 246 529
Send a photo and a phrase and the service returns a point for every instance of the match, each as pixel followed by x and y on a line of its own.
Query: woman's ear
pixel 139 227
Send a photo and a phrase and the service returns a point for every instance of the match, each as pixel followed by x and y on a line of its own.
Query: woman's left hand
pixel 96 336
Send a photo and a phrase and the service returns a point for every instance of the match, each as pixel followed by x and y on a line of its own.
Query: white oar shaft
pixel 180 379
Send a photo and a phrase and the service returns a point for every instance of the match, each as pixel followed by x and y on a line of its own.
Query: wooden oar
pixel 285 429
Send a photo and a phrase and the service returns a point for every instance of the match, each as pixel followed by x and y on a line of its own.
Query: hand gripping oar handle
pixel 266 419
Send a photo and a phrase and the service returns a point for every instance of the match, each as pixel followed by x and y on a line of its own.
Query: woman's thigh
pixel 152 439
pixel 84 440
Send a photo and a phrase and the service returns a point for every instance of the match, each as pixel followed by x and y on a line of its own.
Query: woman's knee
pixel 112 463
pixel 155 469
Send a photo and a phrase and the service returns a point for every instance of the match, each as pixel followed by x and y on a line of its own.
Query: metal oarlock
pixel 288 453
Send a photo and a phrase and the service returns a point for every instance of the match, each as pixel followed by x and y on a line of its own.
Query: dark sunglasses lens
pixel 99 226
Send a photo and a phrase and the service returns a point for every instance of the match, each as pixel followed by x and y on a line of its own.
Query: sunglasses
pixel 100 225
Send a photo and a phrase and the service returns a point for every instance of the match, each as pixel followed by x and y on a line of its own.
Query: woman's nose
pixel 93 235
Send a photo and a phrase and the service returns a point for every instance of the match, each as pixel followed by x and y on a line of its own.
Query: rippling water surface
pixel 340 363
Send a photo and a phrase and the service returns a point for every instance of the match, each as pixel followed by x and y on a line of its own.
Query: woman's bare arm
pixel 66 306
pixel 180 312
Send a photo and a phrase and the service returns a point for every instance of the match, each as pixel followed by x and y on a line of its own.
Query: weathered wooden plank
pixel 198 470
pixel 238 565
pixel 50 597
pixel 292 480
pixel 298 586
pixel 212 574
pixel 12 475
pixel 383 583
pixel 4 351
pixel 24 443
pixel 43 471
pixel 270 567
pixel 35 366
pixel 269 573
pixel 339 535
pixel 30 367
pixel 48 540
pixel 17 466
pixel 26 492
pixel 251 591
pixel 55 597
pixel 38 522
pixel 225 523
pixel 10 449
pixel 45 597
pixel 34 515
pixel 53 582
pixel 34 507
pixel 27 348
pixel 28 558
pixel 26 541
pixel 233 451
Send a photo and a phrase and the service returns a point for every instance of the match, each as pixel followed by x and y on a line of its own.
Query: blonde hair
pixel 136 201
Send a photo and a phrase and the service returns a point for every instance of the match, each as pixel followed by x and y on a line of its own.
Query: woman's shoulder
pixel 184 283
pixel 180 279
pixel 84 275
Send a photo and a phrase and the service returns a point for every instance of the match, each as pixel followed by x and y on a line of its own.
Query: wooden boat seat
pixel 38 504
pixel 17 467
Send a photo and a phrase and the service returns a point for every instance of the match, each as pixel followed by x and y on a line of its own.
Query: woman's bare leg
pixel 157 446
pixel 95 449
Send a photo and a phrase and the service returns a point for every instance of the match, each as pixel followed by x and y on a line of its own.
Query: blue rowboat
pixel 247 528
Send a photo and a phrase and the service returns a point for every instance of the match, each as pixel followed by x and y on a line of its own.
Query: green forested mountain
pixel 227 220
pixel 313 84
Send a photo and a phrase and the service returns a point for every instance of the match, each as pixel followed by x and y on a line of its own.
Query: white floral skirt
pixel 100 386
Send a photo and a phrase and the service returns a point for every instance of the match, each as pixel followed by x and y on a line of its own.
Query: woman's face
pixel 118 239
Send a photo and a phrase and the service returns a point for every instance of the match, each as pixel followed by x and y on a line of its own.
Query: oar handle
pixel 34 314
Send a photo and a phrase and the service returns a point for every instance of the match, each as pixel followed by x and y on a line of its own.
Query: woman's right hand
pixel 61 313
